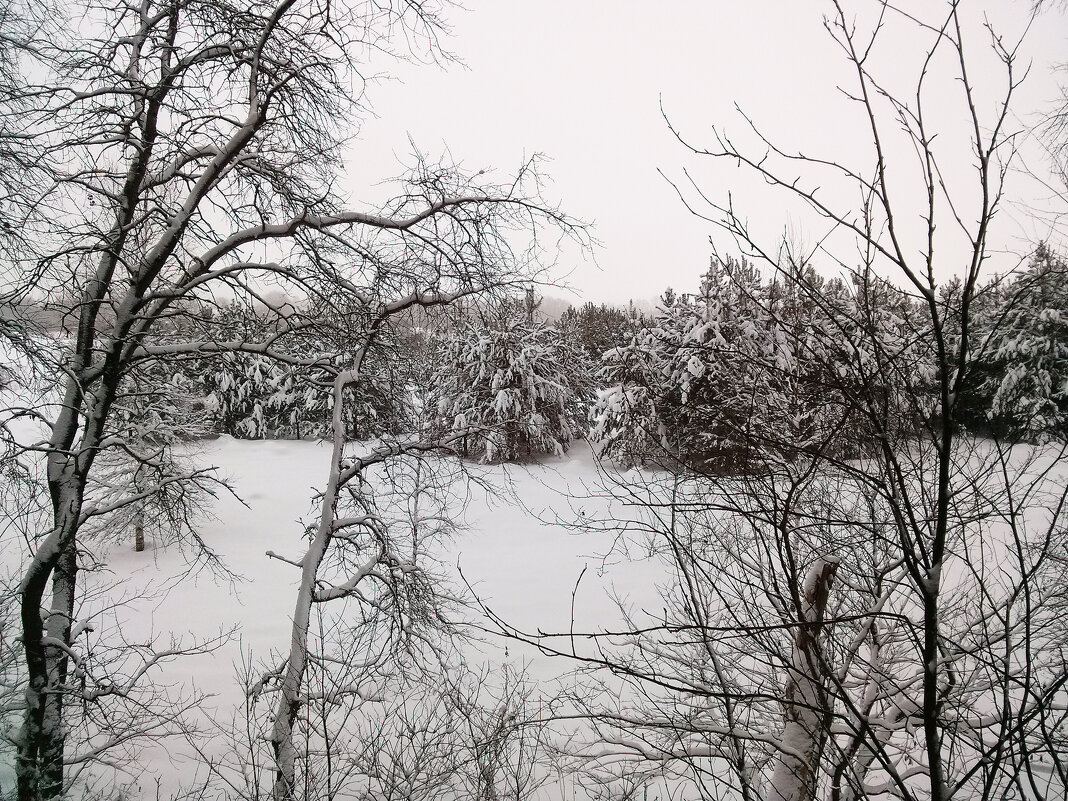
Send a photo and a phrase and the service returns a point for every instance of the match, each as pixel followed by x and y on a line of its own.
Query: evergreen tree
pixel 1017 383
pixel 625 421
pixel 252 396
pixel 593 329
pixel 743 372
pixel 510 382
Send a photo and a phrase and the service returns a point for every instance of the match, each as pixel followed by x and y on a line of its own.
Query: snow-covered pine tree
pixel 1018 380
pixel 249 395
pixel 625 422
pixel 743 372
pixel 667 393
pixel 685 390
pixel 593 330
pixel 253 396
pixel 719 341
pixel 808 368
pixel 512 383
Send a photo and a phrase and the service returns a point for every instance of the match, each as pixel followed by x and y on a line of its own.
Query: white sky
pixel 581 81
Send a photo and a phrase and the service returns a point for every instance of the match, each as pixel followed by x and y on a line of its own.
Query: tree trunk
pixel 39 766
pixel 58 626
pixel 139 530
pixel 806 702
pixel 46 632
pixel 285 751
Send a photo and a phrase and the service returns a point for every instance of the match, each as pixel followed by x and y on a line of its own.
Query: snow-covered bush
pixel 513 384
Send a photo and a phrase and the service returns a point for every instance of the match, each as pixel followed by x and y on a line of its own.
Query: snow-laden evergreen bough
pixel 514 385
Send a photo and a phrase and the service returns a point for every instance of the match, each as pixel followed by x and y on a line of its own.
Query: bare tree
pixel 363 557
pixel 396 728
pixel 192 151
pixel 503 734
pixel 871 607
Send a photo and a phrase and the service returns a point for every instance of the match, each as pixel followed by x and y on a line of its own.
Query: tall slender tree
pixel 192 151
pixel 857 623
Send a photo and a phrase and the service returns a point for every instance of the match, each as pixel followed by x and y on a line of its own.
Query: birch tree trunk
pixel 285 751
pixel 806 701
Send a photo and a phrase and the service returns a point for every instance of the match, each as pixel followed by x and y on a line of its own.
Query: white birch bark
pixel 806 702
pixel 285 751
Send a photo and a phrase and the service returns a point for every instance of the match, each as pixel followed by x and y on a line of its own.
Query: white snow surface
pixel 520 566
pixel 523 567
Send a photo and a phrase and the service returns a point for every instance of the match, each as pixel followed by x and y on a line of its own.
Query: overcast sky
pixel 583 82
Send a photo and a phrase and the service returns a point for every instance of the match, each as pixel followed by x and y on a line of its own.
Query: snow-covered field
pixel 512 547
pixel 519 565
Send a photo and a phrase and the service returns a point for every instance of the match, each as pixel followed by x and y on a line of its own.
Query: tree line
pixel 696 384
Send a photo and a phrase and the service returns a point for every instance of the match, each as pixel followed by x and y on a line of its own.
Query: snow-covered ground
pixel 519 565
pixel 509 546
